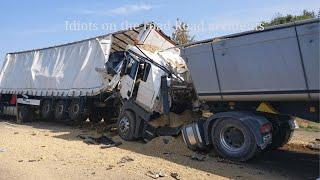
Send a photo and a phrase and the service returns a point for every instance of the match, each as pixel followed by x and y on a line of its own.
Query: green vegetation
pixel 308 125
pixel 281 19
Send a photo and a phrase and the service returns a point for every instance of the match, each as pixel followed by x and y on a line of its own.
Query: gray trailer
pixel 229 76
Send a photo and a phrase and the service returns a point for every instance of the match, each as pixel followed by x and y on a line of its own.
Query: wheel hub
pixel 60 108
pixel 124 125
pixel 75 108
pixel 232 139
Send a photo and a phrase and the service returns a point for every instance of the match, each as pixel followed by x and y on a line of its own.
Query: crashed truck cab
pixel 236 129
pixel 145 86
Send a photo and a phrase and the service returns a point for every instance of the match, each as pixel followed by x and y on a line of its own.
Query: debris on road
pixel 16 133
pixel 165 141
pixel 3 149
pixel 33 133
pixel 197 157
pixel 155 175
pixel 125 159
pixel 175 175
pixel 111 145
pixel 110 167
pixel 106 141
pixel 168 153
pixel 314 145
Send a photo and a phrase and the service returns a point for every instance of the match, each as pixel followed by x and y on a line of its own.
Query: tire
pixel 60 110
pixel 282 136
pixel 24 114
pixel 233 140
pixel 76 111
pixel 126 125
pixel 47 110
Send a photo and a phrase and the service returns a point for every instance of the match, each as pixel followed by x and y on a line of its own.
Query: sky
pixel 41 23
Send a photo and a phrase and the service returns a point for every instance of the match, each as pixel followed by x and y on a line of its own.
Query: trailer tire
pixel 233 140
pixel 76 111
pixel 24 114
pixel 47 110
pixel 60 110
pixel 126 125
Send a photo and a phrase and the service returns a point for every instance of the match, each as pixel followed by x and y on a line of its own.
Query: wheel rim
pixel 46 108
pixel 75 108
pixel 124 125
pixel 60 109
pixel 232 139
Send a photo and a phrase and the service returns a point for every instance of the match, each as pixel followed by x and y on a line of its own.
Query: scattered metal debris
pixel 125 159
pixel 197 157
pixel 165 141
pixel 110 167
pixel 168 153
pixel 175 175
pixel 106 141
pixel 314 145
pixel 155 175
pixel 111 145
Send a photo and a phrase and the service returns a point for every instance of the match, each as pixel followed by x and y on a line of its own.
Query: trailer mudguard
pixel 250 119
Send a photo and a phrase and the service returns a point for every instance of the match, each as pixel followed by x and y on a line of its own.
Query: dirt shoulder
pixel 52 151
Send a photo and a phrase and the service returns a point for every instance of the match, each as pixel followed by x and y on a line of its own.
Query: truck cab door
pixel 129 79
pixel 146 90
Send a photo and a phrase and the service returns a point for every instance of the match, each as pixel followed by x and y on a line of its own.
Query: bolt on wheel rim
pixel 124 125
pixel 232 139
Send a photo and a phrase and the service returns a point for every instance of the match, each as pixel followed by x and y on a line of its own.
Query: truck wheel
pixel 60 110
pixel 24 114
pixel 76 111
pixel 126 125
pixel 282 136
pixel 47 110
pixel 233 140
